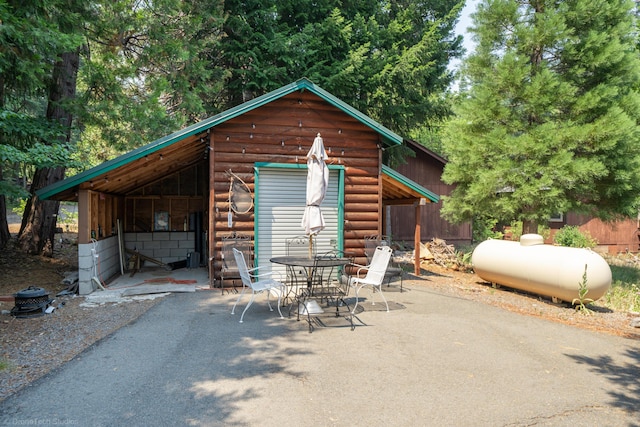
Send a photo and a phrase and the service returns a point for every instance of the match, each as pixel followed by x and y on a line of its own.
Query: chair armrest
pixel 253 272
pixel 360 268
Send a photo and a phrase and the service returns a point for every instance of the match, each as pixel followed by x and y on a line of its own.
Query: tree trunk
pixel 39 220
pixel 5 236
pixel 4 227
pixel 529 227
pixel 39 226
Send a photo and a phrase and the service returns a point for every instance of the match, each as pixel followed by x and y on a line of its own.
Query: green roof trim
pixel 387 135
pixel 409 183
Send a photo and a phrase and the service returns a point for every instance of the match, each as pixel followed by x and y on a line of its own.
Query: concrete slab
pixel 157 289
pixel 149 283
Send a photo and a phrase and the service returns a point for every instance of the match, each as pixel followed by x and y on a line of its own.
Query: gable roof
pixel 398 189
pixel 180 142
pixel 416 146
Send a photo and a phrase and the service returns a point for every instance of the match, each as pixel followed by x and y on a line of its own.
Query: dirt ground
pixel 34 346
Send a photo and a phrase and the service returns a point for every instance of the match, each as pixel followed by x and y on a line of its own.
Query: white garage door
pixel 280 202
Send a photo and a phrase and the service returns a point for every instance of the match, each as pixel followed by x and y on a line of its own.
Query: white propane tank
pixel 532 266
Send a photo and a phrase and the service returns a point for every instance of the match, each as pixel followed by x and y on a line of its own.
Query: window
pixel 556 217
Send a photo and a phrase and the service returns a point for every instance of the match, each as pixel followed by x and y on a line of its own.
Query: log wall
pixel 283 131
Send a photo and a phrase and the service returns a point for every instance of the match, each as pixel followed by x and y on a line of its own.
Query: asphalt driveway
pixel 432 360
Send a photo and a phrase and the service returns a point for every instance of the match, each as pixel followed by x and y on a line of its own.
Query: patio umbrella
pixel 317 183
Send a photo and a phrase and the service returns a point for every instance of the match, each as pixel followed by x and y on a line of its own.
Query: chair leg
pixel 373 290
pixel 355 306
pixel 280 292
pixel 253 296
pixel 383 298
pixel 233 310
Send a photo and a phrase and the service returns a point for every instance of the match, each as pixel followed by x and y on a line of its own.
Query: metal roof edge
pixel 278 165
pixel 409 183
pixel 418 146
pixel 386 133
pixel 160 143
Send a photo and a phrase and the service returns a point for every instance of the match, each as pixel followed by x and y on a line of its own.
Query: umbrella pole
pixel 310 246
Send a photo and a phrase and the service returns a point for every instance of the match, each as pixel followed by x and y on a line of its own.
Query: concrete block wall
pixel 107 263
pixel 169 246
pixel 165 246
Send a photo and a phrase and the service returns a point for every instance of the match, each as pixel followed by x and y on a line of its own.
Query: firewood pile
pixel 438 252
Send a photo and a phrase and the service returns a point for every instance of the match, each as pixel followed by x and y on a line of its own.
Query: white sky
pixel 465 22
pixel 461 28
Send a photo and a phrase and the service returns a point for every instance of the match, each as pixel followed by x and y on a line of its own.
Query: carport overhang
pixel 397 189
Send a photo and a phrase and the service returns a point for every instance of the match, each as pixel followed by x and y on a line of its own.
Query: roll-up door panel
pixel 281 203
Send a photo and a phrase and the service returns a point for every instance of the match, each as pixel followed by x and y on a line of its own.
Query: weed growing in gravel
pixel 4 365
pixel 582 302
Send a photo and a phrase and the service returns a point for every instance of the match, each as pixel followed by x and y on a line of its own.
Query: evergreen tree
pixel 387 59
pixel 153 68
pixel 33 36
pixel 550 120
pixel 39 219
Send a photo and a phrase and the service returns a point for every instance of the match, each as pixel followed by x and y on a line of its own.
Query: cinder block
pixel 161 253
pixel 143 237
pixel 187 244
pixel 161 236
pixel 180 253
pixel 151 246
pixel 180 235
pixel 85 262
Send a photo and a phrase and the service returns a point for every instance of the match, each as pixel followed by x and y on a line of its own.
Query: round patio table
pixel 314 275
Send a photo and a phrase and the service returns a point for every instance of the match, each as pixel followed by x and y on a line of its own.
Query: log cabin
pixel 172 199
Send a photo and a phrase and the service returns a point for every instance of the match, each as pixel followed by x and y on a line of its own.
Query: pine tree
pixel 549 122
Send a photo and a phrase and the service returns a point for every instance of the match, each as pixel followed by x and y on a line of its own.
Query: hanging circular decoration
pixel 240 198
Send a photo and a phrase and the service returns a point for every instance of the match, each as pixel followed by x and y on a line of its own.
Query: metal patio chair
pixel 258 283
pixel 372 274
pixel 298 246
pixel 394 270
pixel 229 270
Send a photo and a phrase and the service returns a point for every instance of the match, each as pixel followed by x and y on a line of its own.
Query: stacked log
pixel 438 252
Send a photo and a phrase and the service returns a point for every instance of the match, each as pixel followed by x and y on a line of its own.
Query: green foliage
pixel 485 228
pixel 549 121
pixel 67 217
pixel 18 209
pixel 623 296
pixel 388 60
pixel 516 230
pixel 571 236
pixel 4 364
pixel 582 301
pixel 624 293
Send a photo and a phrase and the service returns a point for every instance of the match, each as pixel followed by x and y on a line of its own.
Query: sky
pixel 465 22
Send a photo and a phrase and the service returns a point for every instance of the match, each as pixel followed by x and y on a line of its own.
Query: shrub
pixel 570 235
pixel 516 231
pixel 484 228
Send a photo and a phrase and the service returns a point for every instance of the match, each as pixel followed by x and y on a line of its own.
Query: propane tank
pixel 532 266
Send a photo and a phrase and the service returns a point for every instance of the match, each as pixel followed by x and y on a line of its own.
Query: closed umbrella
pixel 317 183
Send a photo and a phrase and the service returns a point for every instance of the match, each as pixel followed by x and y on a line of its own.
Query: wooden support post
pixel 84 216
pixel 212 213
pixel 417 238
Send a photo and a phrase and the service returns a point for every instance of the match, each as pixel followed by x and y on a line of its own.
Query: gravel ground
pixel 37 345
